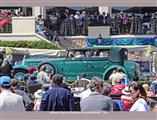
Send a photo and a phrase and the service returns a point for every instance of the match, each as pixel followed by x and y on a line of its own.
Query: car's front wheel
pixel 20 73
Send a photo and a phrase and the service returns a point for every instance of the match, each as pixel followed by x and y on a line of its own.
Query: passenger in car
pixel 71 55
pixel 81 55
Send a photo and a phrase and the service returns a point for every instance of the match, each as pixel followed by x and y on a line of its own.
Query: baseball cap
pixel 5 81
pixel 31 69
pixel 32 77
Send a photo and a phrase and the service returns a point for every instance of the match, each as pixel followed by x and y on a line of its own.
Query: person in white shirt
pixel 117 74
pixel 96 101
pixel 85 93
pixel 42 76
pixel 8 100
pixel 138 94
pixel 77 15
pixel 38 95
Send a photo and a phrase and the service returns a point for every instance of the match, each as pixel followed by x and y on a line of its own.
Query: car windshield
pixel 88 53
pixel 101 53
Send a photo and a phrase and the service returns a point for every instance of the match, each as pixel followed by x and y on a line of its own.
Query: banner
pixel 121 41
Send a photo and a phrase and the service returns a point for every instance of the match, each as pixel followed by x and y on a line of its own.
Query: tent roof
pixel 28 51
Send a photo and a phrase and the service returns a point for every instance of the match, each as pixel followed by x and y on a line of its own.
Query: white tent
pixel 28 51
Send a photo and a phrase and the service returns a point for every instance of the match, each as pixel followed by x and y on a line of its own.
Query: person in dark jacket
pixel 57 98
pixel 6 68
pixel 28 103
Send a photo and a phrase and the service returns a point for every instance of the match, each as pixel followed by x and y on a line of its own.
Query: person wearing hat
pixel 9 55
pixel 57 98
pixel 32 77
pixel 32 80
pixel 126 99
pixel 31 69
pixel 78 22
pixel 9 101
pixel 117 74
pixel 117 88
pixel 77 15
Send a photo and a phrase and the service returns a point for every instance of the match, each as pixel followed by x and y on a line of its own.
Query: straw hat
pixel 126 91
pixel 146 87
pixel 9 51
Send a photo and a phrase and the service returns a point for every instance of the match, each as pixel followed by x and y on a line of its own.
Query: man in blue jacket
pixel 153 85
pixel 57 98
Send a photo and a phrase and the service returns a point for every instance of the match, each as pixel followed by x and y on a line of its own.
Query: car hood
pixel 45 59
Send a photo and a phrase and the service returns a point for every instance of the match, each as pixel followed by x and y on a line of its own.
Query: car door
pixel 96 64
pixel 72 67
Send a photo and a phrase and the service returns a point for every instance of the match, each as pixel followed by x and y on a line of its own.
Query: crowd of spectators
pixel 68 24
pixel 65 23
pixel 40 90
pixel 6 19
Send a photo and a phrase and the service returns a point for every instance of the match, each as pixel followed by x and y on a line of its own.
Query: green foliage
pixel 72 81
pixel 29 44
pixel 110 82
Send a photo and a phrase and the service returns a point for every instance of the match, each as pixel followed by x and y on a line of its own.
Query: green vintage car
pixel 95 61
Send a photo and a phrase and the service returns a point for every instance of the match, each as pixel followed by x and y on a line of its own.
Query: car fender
pixel 25 67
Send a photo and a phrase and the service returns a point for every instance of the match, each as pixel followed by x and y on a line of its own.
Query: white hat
pixel 77 12
pixel 38 94
pixel 126 91
pixel 83 12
